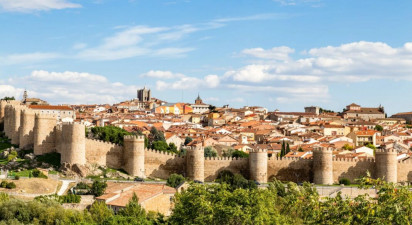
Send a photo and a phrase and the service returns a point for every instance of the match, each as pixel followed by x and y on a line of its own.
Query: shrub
pixel 11 185
pixel 17 177
pixel 98 188
pixel 82 185
pixel 70 198
pixel 239 154
pixel 3 184
pixel 344 181
pixel 37 173
pixel 175 180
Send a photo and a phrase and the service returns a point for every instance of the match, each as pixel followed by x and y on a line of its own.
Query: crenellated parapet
pixel 322 166
pixel 258 165
pixel 387 164
pixel 134 155
pixel 195 163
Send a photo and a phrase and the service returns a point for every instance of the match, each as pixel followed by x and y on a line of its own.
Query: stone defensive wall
pixel 45 134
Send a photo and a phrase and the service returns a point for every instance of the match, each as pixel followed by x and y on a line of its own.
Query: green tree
pixel 239 154
pixel 156 135
pixel 160 146
pixel 8 98
pixel 210 152
pixel 100 212
pixel 175 180
pixel 98 188
pixel 110 134
pixel 378 128
pixel 287 148
pixel 172 147
pixel 188 140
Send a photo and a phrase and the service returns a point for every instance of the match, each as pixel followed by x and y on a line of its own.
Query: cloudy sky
pixel 281 54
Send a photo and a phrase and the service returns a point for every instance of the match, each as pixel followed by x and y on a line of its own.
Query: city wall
pixel 45 135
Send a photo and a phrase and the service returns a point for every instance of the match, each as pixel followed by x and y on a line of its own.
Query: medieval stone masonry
pixel 45 134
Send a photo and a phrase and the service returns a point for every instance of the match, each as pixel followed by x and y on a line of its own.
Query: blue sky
pixel 281 54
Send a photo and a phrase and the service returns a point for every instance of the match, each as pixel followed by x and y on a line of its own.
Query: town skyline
pixel 275 54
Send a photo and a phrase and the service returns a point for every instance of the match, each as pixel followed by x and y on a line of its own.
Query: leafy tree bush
pixel 3 184
pixel 210 152
pixel 188 140
pixel 110 134
pixel 38 173
pixel 53 158
pixel 344 181
pixel 70 198
pixel 17 177
pixel 11 185
pixel 98 188
pixel 235 181
pixel 378 127
pixel 175 180
pixel 156 135
pixel 240 154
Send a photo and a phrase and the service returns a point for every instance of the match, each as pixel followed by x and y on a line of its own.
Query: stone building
pixel 144 95
pixel 354 111
pixel 199 107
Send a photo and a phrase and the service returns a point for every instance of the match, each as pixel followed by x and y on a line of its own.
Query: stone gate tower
pixel 387 164
pixel 134 155
pixel 258 165
pixel 322 166
pixel 195 164
pixel 15 126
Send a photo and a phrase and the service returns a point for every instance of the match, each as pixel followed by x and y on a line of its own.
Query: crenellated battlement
pixel 225 159
pixel 384 150
pixel 258 150
pixel 352 160
pixel 97 141
pixel 139 138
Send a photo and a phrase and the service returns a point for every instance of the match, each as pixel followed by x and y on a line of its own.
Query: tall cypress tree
pixel 282 151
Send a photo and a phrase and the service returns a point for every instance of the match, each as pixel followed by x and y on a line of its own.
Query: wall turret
pixel 134 155
pixel 44 138
pixel 15 126
pixel 3 104
pixel 73 146
pixel 8 111
pixel 195 164
pixel 258 165
pixel 322 166
pixel 387 164
pixel 27 129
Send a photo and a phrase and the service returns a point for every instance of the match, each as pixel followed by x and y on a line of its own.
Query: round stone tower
pixel 74 143
pixel 258 165
pixel 2 110
pixel 322 166
pixel 44 140
pixel 7 120
pixel 134 155
pixel 195 164
pixel 27 129
pixel 387 164
pixel 15 126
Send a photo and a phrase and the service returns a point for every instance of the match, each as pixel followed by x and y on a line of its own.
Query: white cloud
pixel 160 74
pixel 265 16
pixel 10 91
pixel 261 73
pixel 36 5
pixel 71 87
pixel 209 81
pixel 277 53
pixel 352 62
pixel 28 58
pixel 313 3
